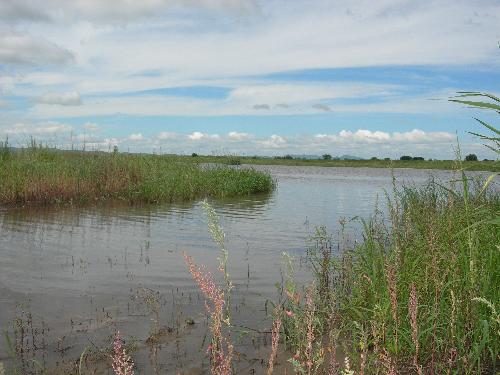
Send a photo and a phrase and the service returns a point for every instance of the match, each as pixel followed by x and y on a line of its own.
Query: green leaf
pixel 492 128
pixel 486 105
pixel 487 182
pixel 475 93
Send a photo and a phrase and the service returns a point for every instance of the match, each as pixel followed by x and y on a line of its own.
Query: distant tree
pixel 374 158
pixel 289 157
pixel 115 149
pixel 387 159
pixel 471 157
pixel 194 154
pixel 418 158
pixel 405 157
pixel 327 157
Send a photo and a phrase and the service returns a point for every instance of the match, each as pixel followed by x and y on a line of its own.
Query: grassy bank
pixel 424 291
pixel 493 166
pixel 44 176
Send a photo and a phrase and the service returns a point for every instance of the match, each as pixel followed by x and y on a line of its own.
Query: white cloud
pixel 61 98
pixel 363 143
pixel 261 96
pixel 110 12
pixel 160 105
pixel 416 136
pixel 135 137
pixel 289 38
pixel 24 49
pixel 236 136
pixel 274 141
pixel 280 38
pixel 166 135
pixel 286 38
pixel 44 128
pixel 47 78
pixel 197 136
pixel 7 84
pixel 16 10
pixel 363 136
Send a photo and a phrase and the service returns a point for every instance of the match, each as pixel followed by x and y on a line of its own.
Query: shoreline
pixel 487 166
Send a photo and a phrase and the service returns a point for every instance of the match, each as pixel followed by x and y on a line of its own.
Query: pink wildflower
pixel 122 363
pixel 289 313
pixel 310 329
pixel 221 348
pixel 274 341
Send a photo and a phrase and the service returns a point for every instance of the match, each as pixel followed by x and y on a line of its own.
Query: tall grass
pixel 38 175
pixel 418 295
pixel 426 286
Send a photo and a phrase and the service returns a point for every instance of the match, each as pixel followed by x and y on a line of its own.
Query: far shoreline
pixel 488 166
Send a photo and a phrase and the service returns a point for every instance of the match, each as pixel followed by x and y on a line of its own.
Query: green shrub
pixel 471 157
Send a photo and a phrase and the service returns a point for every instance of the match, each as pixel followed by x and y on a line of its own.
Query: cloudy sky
pixel 368 78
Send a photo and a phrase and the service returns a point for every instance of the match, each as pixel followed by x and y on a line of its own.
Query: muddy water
pixel 69 277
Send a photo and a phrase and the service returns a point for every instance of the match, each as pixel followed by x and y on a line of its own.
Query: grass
pixel 493 166
pixel 38 175
pixel 425 289
pixel 419 295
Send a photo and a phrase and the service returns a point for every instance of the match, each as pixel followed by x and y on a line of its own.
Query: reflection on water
pixel 78 269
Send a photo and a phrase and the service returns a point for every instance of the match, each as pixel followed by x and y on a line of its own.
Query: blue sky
pixel 247 76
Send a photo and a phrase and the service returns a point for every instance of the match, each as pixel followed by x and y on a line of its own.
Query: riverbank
pixel 46 176
pixel 492 166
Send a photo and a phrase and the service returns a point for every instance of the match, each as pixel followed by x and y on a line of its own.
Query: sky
pixel 273 77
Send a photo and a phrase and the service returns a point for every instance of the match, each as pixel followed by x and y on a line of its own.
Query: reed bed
pixel 38 175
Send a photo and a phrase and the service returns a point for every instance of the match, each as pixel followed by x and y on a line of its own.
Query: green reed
pixel 39 175
pixel 445 244
pixel 420 293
